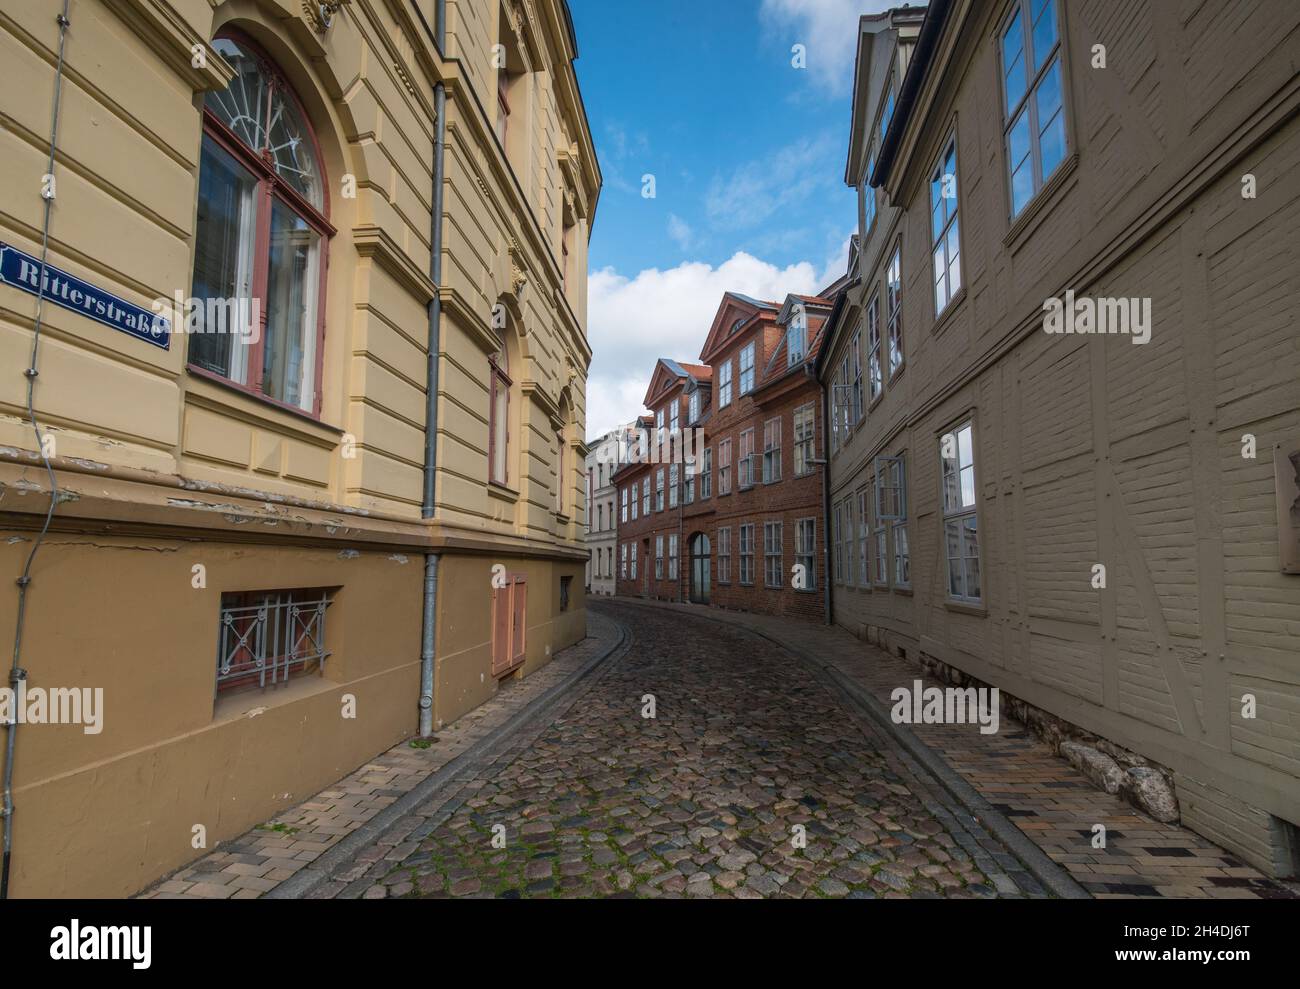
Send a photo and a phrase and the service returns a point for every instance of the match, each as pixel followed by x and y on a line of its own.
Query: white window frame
pixel 724 555
pixel 1021 12
pixel 957 512
pixel 747 351
pixel 805 550
pixel 772 450
pixel 747 554
pixel 894 310
pixel 773 573
pixel 724 384
pixel 805 439
pixel 944 257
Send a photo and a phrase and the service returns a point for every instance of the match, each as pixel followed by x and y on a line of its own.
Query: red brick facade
pixel 744 528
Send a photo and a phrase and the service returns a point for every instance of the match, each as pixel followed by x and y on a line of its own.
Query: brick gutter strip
pixel 1036 862
pixel 303 883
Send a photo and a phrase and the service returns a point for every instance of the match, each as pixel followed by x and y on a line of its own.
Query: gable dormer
pixel 734 313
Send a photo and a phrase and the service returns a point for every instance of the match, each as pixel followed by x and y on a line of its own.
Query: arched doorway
pixel 699 568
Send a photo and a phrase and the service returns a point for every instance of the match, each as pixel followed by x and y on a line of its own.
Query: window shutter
pixel 518 620
pixel 501 630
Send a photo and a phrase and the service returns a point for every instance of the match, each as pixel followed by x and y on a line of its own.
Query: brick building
pixel 730 500
pixel 1079 521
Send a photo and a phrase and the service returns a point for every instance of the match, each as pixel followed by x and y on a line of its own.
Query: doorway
pixel 699 568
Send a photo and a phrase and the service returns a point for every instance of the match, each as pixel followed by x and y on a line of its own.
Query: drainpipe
pixel 16 672
pixel 828 602
pixel 429 631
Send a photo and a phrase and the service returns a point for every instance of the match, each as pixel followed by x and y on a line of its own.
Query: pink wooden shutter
pixel 500 630
pixel 519 621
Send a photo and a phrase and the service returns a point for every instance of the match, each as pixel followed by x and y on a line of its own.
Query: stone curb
pixel 1036 862
pixel 479 755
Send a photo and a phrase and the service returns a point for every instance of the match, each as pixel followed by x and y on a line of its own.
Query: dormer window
pixel 797 335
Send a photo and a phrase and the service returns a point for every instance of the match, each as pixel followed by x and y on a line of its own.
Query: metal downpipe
pixel 429 631
pixel 16 672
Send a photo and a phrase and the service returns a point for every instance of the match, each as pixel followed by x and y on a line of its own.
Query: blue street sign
pixel 23 271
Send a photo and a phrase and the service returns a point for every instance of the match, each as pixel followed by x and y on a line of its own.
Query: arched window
pixel 499 412
pixel 260 237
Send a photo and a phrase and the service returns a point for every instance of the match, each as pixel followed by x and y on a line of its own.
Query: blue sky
pixel 747 154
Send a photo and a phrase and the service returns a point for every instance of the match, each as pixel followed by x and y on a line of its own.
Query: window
pixel 747 369
pixel 688 485
pixel 622 561
pixel 849 528
pixel 674 414
pixel 805 551
pixel 891 508
pixel 747 553
pixel 672 556
pixel 864 540
pixel 659 557
pixel 724 385
pixel 499 413
pixel 894 304
pixel 503 105
pixel 645 497
pixel 674 483
pixel 797 336
pixel 724 467
pixel 724 556
pixel 659 491
pixel 847 419
pixel 944 242
pixel 772 451
pixel 260 237
pixel 269 637
pixel 706 475
pixel 564 592
pixel 772 575
pixel 624 506
pixel 837 542
pixel 960 532
pixel 745 478
pixel 559 473
pixel 856 391
pixel 659 428
pixel 634 503
pixel 874 373
pixel 1034 103
pixel 887 114
pixel 634 561
pixel 869 194
pixel 804 439
pixel 880 537
pixel 694 407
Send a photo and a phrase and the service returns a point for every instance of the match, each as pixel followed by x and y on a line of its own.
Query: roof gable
pixel 734 311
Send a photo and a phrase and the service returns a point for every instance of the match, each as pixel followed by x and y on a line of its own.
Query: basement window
pixel 267 638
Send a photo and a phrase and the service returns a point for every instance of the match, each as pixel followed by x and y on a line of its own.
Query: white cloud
pixel 758 190
pixel 680 231
pixel 634 321
pixel 828 28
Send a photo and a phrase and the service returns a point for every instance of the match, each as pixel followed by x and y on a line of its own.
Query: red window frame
pixel 270 186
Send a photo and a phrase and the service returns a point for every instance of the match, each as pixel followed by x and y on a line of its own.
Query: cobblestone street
pixel 704 799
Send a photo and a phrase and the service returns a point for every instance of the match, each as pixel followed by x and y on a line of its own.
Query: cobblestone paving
pixel 702 800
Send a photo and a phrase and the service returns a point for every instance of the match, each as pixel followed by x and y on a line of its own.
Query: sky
pixel 747 155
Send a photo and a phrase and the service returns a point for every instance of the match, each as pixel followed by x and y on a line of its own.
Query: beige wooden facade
pixel 162 469
pixel 1178 184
